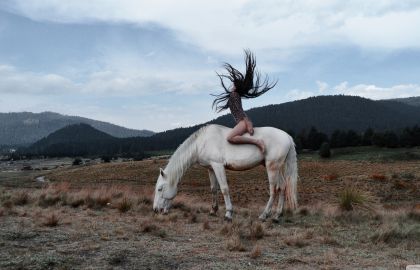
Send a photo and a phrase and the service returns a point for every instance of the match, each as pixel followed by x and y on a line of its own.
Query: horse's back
pixel 277 143
pixel 261 133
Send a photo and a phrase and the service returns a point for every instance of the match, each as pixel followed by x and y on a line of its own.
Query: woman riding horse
pixel 246 87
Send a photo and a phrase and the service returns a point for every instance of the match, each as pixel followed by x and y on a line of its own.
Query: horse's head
pixel 164 193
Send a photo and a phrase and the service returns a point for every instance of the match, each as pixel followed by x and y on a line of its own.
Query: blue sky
pixel 151 64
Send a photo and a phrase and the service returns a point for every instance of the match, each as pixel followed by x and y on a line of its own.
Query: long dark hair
pixel 247 86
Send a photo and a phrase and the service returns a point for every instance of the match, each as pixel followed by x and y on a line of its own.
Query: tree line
pixel 83 140
pixel 407 137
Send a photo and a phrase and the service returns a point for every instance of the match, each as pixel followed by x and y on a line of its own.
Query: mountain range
pixel 25 128
pixel 325 113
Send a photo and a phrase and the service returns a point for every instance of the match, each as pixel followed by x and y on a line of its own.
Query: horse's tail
pixel 291 175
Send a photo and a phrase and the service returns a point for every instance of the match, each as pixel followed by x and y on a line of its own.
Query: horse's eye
pixel 160 189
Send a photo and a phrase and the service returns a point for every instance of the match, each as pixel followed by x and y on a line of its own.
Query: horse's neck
pixel 183 158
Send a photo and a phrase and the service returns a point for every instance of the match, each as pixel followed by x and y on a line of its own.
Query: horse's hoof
pixel 275 220
pixel 228 219
pixel 213 214
pixel 262 217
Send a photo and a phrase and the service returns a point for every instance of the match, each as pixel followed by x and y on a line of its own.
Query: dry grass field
pixel 352 215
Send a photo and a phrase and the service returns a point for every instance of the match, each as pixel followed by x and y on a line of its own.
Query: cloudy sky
pixel 151 64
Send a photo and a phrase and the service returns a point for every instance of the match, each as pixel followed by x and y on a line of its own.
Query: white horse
pixel 208 147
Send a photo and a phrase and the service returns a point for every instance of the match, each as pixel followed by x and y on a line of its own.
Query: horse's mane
pixel 183 157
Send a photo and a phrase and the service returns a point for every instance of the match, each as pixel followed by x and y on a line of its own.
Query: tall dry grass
pixel 350 197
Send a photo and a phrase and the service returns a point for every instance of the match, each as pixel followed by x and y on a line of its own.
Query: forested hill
pixel 79 140
pixel 325 113
pixel 328 113
pixel 414 101
pixel 26 127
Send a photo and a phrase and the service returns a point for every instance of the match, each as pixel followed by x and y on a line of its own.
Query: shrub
pixel 51 220
pixel 393 234
pixel 145 201
pixel 173 217
pixel 106 159
pixel 193 218
pixel 77 161
pixel 256 252
pixel 324 150
pixel 234 243
pixel 304 211
pixel 148 227
pixel 414 214
pixel 399 184
pixel 256 231
pixel 97 199
pixel 206 225
pixel 102 199
pixel 378 177
pixel 330 177
pixel 349 197
pixel 118 258
pixel 48 199
pixel 7 204
pixel 181 206
pixel 296 240
pixel 124 205
pixel 75 201
pixel 21 198
pixel 408 175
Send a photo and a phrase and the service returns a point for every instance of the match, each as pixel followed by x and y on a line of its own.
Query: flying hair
pixel 249 85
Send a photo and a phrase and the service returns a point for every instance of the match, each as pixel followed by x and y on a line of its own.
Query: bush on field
pixel 324 151
pixel 350 197
pixel 77 161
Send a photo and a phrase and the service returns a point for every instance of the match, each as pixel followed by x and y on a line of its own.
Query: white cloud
pixel 322 86
pixel 377 92
pixel 297 94
pixel 364 90
pixel 341 87
pixel 13 81
pixel 229 26
pixel 391 31
pixel 111 83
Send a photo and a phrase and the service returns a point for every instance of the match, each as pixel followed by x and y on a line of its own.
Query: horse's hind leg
pixel 219 171
pixel 281 186
pixel 214 190
pixel 273 175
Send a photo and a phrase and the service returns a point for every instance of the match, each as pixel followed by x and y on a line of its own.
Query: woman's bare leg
pixel 250 128
pixel 235 136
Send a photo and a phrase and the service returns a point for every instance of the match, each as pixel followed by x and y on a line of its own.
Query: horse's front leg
pixel 219 171
pixel 214 190
pixel 273 174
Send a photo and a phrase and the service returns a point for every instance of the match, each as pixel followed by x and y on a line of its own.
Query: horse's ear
pixel 162 172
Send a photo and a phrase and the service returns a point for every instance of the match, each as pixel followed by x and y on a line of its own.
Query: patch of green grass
pixel 159 153
pixel 394 234
pixel 408 175
pixel 350 197
pixel 368 153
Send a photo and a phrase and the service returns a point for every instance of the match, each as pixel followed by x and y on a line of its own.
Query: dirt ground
pixel 100 217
